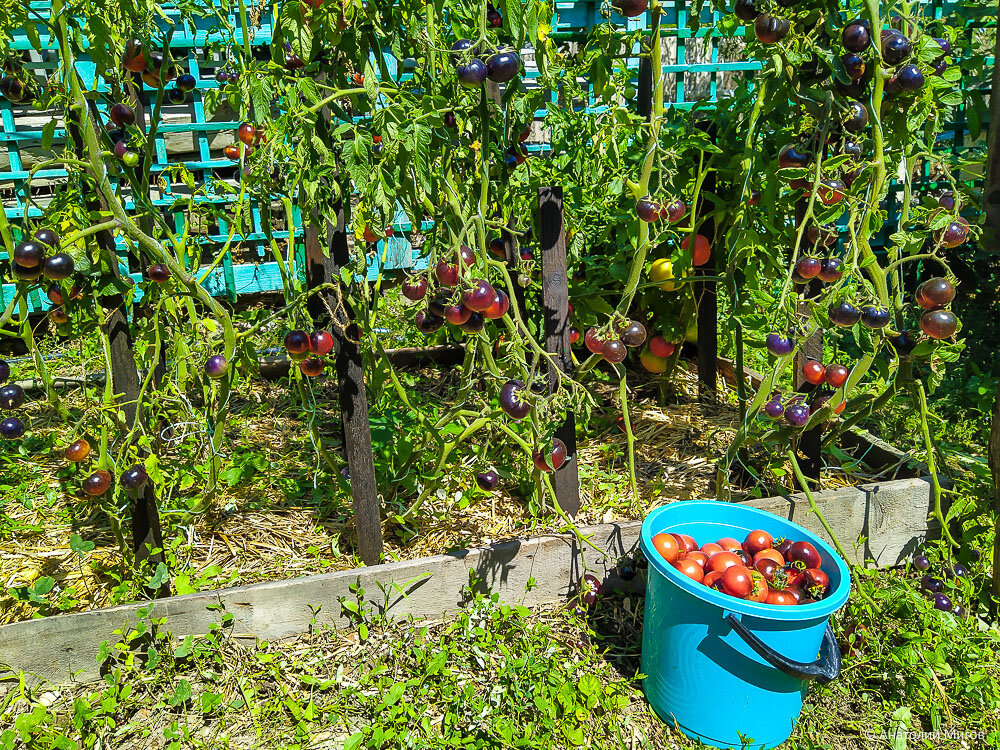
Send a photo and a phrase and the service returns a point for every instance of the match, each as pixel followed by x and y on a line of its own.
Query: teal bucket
pixel 729 672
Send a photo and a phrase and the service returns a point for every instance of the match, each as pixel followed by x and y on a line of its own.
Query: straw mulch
pixel 255 533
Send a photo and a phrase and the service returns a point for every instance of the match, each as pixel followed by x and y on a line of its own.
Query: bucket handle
pixel 823 670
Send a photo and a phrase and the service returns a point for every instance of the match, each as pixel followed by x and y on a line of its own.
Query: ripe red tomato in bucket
pixel 757 541
pixel 736 581
pixel 782 597
pixel 724 560
pixel 805 553
pixel 667 546
pixel 686 543
pixel 690 568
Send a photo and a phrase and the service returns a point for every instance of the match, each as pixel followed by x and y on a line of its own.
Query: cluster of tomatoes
pixel 500 66
pixel 11 398
pixel 300 345
pixel 459 300
pixel 99 482
pixel 758 570
pixel 613 343
pixel 249 135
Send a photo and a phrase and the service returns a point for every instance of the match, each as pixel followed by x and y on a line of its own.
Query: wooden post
pixel 555 300
pixel 644 99
pixel 810 441
pixel 326 253
pixel 991 188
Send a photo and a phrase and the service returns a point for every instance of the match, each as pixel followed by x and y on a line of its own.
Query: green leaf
pixel 371 81
pixel 184 650
pixel 437 663
pixel 182 694
pixel 77 545
pixel 158 578
pixel 48 133
pixel 354 741
pixel 43 585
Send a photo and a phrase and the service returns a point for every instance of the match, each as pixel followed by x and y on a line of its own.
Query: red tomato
pixel 839 407
pixel 711 548
pixel 769 554
pixel 736 581
pixel 729 544
pixel 780 596
pixel 712 580
pixel 756 541
pixel 685 542
pixel 702 250
pixel 722 560
pixel 759 589
pixel 783 546
pixel 816 582
pixel 666 545
pixel 836 375
pixel 814 372
pixel 796 593
pixel 793 575
pixel 370 236
pixel 698 556
pixel 691 569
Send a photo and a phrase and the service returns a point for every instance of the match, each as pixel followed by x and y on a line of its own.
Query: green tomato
pixel 691 334
pixel 130 159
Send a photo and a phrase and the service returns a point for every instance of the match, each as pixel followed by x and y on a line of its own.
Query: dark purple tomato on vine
pixel 935 293
pixel 819 401
pixel 831 191
pixel 247 133
pixel 774 409
pixel 944 44
pixel 296 342
pixel 466 255
pixel 11 397
pixel 574 336
pixel 14 90
pixel 856 117
pixel 931 585
pixel 458 48
pixel 25 274
pixel 634 334
pixel 176 96
pixel 593 341
pixel 630 8
pixel 844 314
pixel 320 343
pixel 158 273
pixel 221 76
pixel 503 66
pixel 956 571
pixel 850 176
pixel 134 58
pixel 58 267
pixel 943 603
pixel 813 372
pixel 480 296
pixel 647 210
pixel 414 288
pixel 29 254
pixel 77 451
pixel 232 152
pixel 457 314
pixel 808 267
pixel 216 366
pixel 446 273
pixel 493 18
pixel 292 63
pixel 47 237
pixel 513 399
pixel 946 201
pixel 939 324
pixel 487 480
pixel 855 37
pixel 450 121
pixel 674 211
pixel 789 156
pixel 910 78
pixel 233 77
pixel 778 345
pixel 874 317
pixel 58 316
pixel 525 254
pixel 745 10
pixel 921 562
pixel 836 375
pixel 754 198
pixel 428 322
pixel 4 371
pixel 311 367
pixel 797 415
pixel 854 66
pixel 11 428
pixel 121 115
pixel 472 74
pixel 133 478
pixel 614 351
pixel 851 148
pixel 954 234
pixel 895 48
pixel 499 307
pixel 97 483
pixel 555 459
pixel 497 247
pixel 824 236
pixel 186 82
pixel 831 270
pixel 770 29
pixel 475 323
pixel 904 343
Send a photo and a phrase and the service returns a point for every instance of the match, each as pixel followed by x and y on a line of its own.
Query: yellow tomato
pixel 662 270
pixel 653 363
pixel 691 334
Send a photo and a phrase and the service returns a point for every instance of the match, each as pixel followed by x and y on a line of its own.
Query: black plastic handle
pixel 824 669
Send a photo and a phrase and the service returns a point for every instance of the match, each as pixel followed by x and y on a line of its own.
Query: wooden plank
pixel 326 253
pixel 889 517
pixel 555 301
pixel 991 186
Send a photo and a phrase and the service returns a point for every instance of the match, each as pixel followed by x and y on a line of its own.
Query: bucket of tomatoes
pixel 738 603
